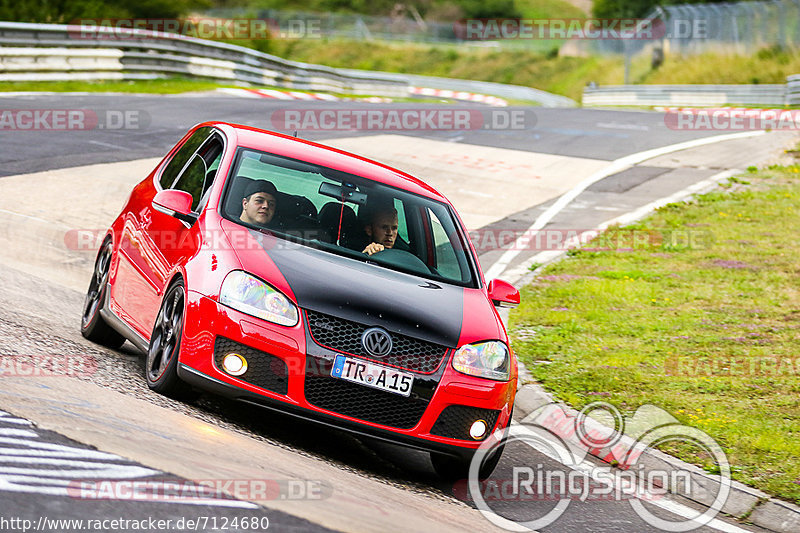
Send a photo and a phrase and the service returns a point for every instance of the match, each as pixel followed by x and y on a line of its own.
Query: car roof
pixel 319 154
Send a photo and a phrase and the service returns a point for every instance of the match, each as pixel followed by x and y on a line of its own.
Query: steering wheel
pixel 402 259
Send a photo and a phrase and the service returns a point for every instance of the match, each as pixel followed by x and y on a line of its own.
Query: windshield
pixel 347 215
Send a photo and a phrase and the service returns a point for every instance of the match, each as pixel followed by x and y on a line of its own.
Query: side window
pixel 198 175
pixel 182 157
pixel 446 260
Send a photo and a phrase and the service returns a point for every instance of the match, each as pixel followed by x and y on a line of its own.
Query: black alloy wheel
pixel 93 326
pixel 161 366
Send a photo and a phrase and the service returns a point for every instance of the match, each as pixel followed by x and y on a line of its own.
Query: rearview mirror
pixel 503 294
pixel 176 204
pixel 342 193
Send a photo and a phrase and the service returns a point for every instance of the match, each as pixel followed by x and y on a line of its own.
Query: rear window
pixel 342 214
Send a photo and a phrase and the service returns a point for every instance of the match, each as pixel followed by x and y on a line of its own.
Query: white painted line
pixel 621 126
pixel 476 193
pixel 25 216
pixel 237 92
pixel 51 447
pixel 237 504
pixel 50 468
pixel 60 487
pixel 71 463
pixel 271 93
pixel 73 453
pixel 36 479
pixel 108 145
pixel 11 432
pixel 548 256
pixel 20 421
pixel 616 166
pixel 301 96
pixel 118 472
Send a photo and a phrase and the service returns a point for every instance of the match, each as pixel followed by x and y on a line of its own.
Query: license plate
pixel 372 375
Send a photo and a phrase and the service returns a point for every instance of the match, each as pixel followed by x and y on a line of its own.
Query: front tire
pixel 93 327
pixel 161 366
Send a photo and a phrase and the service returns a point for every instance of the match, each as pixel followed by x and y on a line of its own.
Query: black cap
pixel 375 206
pixel 261 186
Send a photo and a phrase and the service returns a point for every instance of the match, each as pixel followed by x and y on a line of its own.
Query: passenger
pixel 259 203
pixel 381 228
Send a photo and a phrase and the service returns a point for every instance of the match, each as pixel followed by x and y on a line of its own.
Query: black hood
pixel 370 294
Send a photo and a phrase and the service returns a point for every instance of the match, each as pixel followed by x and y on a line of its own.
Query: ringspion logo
pixel 555 431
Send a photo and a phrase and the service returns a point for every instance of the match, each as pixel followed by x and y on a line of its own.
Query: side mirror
pixel 503 294
pixel 176 204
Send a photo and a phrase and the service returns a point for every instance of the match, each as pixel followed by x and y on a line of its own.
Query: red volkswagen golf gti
pixel 296 277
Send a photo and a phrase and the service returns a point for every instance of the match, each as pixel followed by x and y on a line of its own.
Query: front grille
pixel 263 370
pixel 455 421
pixel 362 402
pixel 345 336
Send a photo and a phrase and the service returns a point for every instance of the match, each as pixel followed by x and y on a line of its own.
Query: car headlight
pixel 250 295
pixel 484 359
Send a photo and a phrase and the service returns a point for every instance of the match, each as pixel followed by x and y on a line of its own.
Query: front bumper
pixel 305 389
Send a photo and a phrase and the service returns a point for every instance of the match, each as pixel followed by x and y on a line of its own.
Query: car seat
pixel 296 215
pixel 329 217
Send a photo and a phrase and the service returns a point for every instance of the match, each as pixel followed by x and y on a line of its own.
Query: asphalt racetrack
pixel 57 432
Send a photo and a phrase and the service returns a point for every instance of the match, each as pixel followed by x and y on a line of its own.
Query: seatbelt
pixel 341 216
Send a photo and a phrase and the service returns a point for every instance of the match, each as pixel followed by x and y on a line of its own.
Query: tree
pixel 64 11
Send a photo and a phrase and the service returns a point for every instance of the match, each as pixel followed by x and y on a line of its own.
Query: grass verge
pixel 695 310
pixel 162 86
pixel 165 86
pixel 530 66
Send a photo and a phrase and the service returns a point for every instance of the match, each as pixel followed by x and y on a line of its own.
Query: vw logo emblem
pixel 376 342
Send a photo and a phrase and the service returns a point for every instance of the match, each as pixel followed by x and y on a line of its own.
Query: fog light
pixel 478 429
pixel 234 364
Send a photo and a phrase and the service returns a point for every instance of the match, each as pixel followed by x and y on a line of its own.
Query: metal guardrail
pixel 50 51
pixel 43 52
pixel 793 90
pixel 515 92
pixel 692 95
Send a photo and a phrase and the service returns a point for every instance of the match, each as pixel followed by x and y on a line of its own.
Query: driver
pixel 259 203
pixel 381 228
